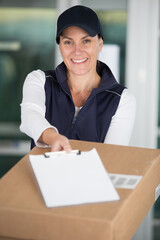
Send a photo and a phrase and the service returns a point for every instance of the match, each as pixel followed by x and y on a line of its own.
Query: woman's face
pixel 79 50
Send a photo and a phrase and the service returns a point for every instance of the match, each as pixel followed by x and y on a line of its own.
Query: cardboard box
pixel 23 214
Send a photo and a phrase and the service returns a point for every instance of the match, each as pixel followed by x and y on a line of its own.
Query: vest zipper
pixel 74 121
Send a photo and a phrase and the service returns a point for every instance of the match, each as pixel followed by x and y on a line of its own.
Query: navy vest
pixel 95 116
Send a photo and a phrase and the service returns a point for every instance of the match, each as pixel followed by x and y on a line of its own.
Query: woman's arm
pixel 33 122
pixel 121 126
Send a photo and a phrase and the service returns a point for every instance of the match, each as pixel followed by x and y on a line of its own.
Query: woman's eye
pixel 67 42
pixel 86 41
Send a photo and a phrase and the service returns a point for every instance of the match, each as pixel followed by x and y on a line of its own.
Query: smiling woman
pixel 80 99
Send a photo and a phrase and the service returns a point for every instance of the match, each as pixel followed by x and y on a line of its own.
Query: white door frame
pixel 142 68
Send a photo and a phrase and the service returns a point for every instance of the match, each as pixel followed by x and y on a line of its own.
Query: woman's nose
pixel 77 49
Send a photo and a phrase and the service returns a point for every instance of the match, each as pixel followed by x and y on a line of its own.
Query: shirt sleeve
pixel 121 126
pixel 33 121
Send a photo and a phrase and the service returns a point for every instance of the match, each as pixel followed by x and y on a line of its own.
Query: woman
pixel 80 99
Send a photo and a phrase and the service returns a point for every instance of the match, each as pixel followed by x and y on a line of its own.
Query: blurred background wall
pixel 131 48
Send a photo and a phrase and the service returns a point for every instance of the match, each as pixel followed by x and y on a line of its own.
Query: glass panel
pixel 156 213
pixel 156 233
pixel 157 208
pixel 157 204
pixel 6 163
pixel 27 42
pixel 159 96
pixel 114 24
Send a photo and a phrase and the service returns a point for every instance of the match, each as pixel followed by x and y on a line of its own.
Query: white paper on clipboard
pixel 71 179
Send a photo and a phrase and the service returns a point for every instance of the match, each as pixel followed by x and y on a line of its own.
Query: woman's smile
pixel 79 61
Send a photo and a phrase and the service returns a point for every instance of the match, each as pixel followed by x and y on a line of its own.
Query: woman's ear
pixel 100 44
pixel 59 46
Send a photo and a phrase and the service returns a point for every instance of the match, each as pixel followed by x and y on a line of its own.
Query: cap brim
pixel 87 29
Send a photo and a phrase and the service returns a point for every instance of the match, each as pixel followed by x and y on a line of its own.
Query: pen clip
pixel 60 153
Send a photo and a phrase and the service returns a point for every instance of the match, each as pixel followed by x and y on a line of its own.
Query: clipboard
pixel 67 179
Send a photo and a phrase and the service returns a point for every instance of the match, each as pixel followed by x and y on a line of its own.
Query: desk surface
pixel 23 214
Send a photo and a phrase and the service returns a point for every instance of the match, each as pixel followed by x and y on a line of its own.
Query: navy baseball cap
pixel 79 16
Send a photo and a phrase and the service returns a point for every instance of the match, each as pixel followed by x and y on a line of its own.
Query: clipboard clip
pixel 60 153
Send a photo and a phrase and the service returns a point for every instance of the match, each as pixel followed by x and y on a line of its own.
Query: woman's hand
pixel 57 141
